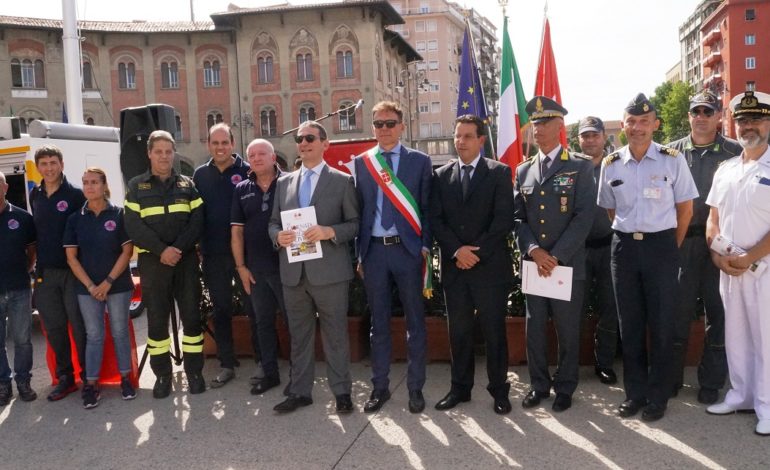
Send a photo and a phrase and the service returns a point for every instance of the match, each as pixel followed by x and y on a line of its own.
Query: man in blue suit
pixel 393 184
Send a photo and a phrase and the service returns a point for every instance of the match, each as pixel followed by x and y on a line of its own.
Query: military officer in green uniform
pixel 554 195
pixel 704 149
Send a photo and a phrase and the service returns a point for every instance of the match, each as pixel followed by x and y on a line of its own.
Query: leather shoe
pixel 162 387
pixel 630 407
pixel 533 398
pixel 265 384
pixel 451 400
pixel 763 427
pixel 502 405
pixel 65 386
pixel 291 403
pixel 708 396
pixel 653 412
pixel 561 402
pixel 376 400
pixel 721 409
pixel 196 384
pixel 606 375
pixel 344 403
pixel 416 401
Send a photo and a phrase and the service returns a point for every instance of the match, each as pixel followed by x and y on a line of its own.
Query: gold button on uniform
pixel 542 221
pixel 542 236
pixel 542 207
pixel 542 193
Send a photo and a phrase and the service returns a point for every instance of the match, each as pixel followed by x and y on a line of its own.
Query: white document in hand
pixel 299 220
pixel 557 286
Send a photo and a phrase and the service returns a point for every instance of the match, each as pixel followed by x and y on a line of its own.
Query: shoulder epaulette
pixel 529 160
pixel 610 158
pixel 581 155
pixel 671 152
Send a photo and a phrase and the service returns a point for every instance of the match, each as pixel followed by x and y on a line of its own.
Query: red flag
pixel 547 80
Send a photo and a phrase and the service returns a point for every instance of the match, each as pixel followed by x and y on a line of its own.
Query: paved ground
pixel 229 428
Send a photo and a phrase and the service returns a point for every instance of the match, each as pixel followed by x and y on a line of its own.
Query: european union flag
pixel 470 98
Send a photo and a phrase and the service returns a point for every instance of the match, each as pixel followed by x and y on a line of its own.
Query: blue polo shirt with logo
pixel 251 208
pixel 17 232
pixel 100 241
pixel 216 189
pixel 50 215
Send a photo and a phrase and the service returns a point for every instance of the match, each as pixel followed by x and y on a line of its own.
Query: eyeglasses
pixel 310 138
pixel 708 112
pixel 753 121
pixel 265 200
pixel 390 123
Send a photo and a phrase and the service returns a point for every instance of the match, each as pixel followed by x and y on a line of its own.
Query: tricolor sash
pixel 393 188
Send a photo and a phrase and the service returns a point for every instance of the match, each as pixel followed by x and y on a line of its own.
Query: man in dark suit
pixel 393 243
pixel 471 215
pixel 318 285
pixel 554 196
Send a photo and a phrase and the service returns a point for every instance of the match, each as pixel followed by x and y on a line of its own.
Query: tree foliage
pixel 672 101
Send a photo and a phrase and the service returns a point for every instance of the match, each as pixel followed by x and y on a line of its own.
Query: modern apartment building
pixel 264 70
pixel 690 41
pixel 435 29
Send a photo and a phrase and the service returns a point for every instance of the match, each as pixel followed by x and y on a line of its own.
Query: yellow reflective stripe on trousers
pixel 178 208
pixel 156 348
pixel 192 344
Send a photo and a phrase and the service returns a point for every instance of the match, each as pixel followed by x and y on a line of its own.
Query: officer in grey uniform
pixel 599 293
pixel 647 190
pixel 704 149
pixel 554 195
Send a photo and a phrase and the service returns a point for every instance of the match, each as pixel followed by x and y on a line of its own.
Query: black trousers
pixel 601 296
pixel 463 301
pixel 57 303
pixel 161 286
pixel 266 298
pixel 644 273
pixel 698 277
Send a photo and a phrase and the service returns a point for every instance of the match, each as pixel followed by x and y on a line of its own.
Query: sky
pixel 606 51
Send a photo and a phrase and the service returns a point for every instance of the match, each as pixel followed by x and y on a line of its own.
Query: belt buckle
pixel 392 240
pixel 638 236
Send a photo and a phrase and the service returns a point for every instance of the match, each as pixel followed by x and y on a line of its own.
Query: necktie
pixel 306 190
pixel 545 165
pixel 466 181
pixel 388 218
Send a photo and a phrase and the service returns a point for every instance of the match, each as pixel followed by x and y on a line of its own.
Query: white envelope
pixel 557 286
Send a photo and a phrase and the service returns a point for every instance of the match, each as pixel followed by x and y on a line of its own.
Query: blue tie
pixel 388 211
pixel 306 190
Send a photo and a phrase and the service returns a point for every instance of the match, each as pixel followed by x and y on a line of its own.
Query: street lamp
pixel 421 84
pixel 503 4
pixel 242 122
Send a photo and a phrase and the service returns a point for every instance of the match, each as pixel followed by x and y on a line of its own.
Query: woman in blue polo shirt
pixel 98 252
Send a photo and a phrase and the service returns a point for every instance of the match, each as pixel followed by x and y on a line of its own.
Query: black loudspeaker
pixel 136 125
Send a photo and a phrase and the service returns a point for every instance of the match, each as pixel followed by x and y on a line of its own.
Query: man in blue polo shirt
pixel 255 257
pixel 52 202
pixel 17 237
pixel 215 181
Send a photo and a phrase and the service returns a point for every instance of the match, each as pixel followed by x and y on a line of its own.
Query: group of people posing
pixel 635 226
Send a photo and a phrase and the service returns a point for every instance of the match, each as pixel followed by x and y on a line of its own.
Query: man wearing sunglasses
pixel 255 258
pixel 704 149
pixel 740 212
pixel 215 181
pixel 393 242
pixel 318 285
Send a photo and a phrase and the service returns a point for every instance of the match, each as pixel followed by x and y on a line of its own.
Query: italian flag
pixel 513 115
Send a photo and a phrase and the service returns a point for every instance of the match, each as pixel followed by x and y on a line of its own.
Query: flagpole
pixel 475 64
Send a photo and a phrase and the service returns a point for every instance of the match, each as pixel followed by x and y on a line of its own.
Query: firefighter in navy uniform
pixel 164 218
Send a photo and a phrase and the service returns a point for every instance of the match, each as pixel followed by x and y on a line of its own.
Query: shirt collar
pixel 552 154
pixel 110 207
pixel 395 150
pixel 474 163
pixel 765 158
pixel 316 169
pixel 652 152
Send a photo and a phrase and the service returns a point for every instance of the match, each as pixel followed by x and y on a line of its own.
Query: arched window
pixel 267 122
pixel 304 67
pixel 265 69
pixel 126 75
pixel 213 118
pixel 306 113
pixel 88 79
pixel 39 79
pixel 27 74
pixel 211 74
pixel 90 121
pixel 169 75
pixel 344 64
pixel 347 118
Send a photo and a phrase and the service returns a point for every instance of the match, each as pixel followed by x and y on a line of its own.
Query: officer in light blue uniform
pixel 647 190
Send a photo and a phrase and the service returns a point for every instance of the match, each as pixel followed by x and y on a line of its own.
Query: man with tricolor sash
pixel 393 184
pixel 164 218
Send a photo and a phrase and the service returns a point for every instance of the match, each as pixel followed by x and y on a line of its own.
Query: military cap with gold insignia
pixel 541 108
pixel 751 103
pixel 706 98
pixel 639 105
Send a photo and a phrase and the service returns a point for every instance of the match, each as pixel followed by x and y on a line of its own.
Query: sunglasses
pixel 265 200
pixel 390 123
pixel 310 138
pixel 745 121
pixel 708 112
